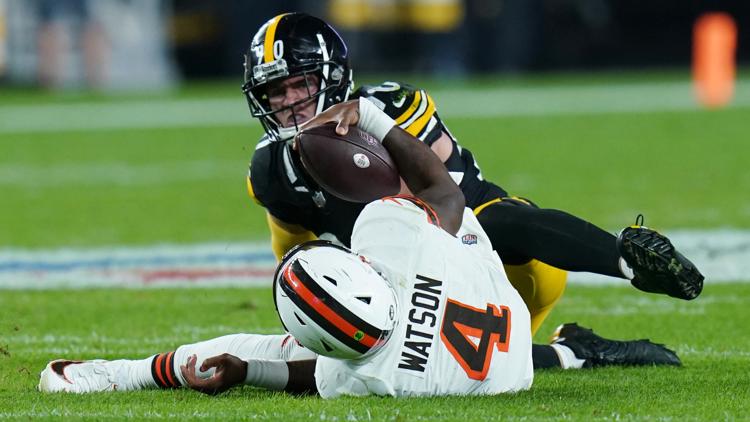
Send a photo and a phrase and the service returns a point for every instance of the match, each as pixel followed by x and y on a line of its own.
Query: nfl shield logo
pixel 469 239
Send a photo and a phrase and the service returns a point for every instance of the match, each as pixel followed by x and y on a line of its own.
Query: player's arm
pixel 414 110
pixel 443 147
pixel 426 177
pixel 421 169
pixel 285 236
pixel 229 371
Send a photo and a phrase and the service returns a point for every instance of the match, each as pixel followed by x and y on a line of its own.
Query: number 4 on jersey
pixel 462 324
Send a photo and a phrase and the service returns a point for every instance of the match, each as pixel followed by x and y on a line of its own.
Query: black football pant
pixel 520 232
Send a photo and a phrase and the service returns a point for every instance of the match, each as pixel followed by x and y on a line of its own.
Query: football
pixel 354 167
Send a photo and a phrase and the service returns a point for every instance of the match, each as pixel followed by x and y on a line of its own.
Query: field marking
pixel 212 264
pixel 722 255
pixel 463 103
pixel 77 414
pixel 44 176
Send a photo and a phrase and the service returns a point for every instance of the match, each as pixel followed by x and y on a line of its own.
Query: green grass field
pixel 709 334
pixel 682 168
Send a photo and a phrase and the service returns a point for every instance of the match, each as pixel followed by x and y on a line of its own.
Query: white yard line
pixel 112 173
pixel 722 255
pixel 464 103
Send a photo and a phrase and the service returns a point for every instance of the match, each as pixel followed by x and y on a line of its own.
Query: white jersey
pixel 463 329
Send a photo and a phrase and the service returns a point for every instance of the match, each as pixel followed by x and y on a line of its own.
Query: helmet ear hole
pixel 326 346
pixel 299 319
pixel 365 299
pixel 332 280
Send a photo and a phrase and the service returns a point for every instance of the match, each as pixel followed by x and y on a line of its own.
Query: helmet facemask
pixel 323 91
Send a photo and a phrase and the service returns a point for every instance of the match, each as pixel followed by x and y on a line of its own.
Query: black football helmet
pixel 295 44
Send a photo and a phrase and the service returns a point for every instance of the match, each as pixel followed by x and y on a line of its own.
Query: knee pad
pixel 540 286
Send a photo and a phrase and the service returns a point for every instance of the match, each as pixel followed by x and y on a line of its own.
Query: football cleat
pixel 657 265
pixel 599 351
pixel 79 376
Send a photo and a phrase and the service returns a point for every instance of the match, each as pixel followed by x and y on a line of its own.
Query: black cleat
pixel 657 265
pixel 598 351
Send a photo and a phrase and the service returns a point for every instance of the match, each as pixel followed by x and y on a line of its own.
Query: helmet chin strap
pixel 287 133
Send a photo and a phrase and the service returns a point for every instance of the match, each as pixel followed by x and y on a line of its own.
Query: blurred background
pixel 155 44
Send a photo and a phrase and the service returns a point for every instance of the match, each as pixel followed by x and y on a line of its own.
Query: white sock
pixel 625 269
pixel 140 374
pixel 568 359
pixel 131 375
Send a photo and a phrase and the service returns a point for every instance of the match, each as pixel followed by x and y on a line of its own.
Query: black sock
pixel 544 356
pixel 520 233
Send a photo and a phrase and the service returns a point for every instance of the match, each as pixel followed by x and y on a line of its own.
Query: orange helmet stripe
pixel 323 310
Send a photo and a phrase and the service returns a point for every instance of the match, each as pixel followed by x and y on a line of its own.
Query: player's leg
pixel 520 232
pixel 540 286
pixel 162 370
pixel 575 347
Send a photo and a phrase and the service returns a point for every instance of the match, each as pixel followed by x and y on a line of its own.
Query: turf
pixel 682 169
pixel 712 385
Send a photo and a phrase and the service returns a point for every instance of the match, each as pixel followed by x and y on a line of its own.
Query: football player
pixel 297 66
pixel 411 310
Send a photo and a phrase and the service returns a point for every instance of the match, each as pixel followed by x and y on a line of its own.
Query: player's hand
pixel 344 114
pixel 230 371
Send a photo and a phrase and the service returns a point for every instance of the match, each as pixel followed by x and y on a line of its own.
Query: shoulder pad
pixel 413 109
pixel 264 141
pixel 390 96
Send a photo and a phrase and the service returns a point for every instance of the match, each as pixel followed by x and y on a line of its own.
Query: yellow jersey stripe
pixel 480 208
pixel 411 110
pixel 422 121
pixel 270 38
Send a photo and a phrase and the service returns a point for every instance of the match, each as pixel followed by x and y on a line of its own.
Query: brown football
pixel 354 167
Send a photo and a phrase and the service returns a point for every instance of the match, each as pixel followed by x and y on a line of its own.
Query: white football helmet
pixel 333 302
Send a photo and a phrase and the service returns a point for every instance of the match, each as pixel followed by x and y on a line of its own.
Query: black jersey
pixel 282 187
pixel 280 184
pixel 414 111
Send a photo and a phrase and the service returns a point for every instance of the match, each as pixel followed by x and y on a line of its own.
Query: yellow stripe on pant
pixel 540 285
